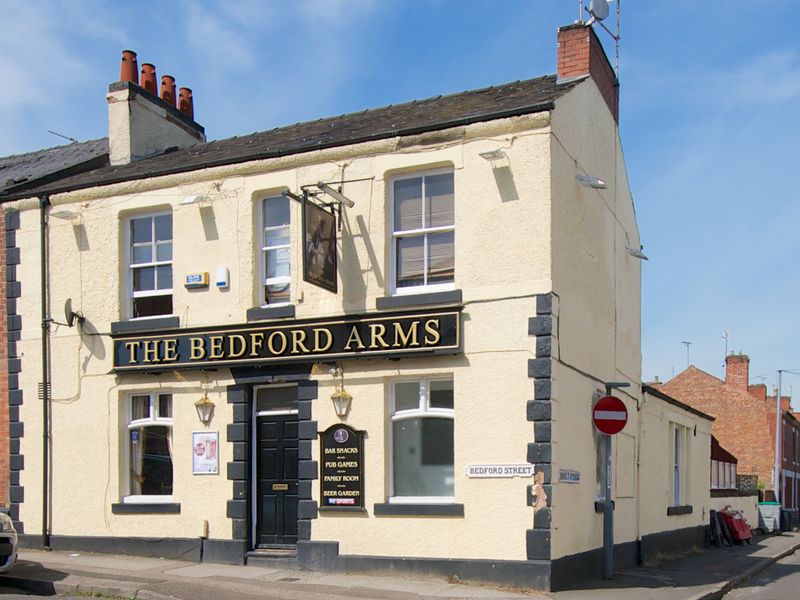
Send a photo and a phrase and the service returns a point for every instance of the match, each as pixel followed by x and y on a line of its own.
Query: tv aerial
pixel 598 11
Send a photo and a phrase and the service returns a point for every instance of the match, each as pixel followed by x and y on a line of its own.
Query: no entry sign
pixel 610 415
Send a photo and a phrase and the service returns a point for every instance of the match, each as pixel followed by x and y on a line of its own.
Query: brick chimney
pixel 140 124
pixel 737 371
pixel 580 53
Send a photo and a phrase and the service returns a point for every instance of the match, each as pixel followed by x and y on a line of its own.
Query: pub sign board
pixel 319 246
pixel 342 462
pixel 358 336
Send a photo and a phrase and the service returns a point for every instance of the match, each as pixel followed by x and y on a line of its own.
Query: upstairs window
pixel 150 265
pixel 276 266
pixel 423 232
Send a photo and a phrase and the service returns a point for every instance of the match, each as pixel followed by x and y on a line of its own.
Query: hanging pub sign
pixel 342 462
pixel 319 246
pixel 353 336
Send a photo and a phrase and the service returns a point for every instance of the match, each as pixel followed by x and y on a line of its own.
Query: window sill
pixel 679 510
pixel 150 508
pixel 423 299
pixel 409 510
pixel 147 324
pixel 265 313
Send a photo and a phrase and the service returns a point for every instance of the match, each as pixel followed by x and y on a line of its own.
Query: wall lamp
pixel 205 408
pixel 592 182
pixel 341 398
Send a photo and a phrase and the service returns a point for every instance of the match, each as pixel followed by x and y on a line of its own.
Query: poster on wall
pixel 319 246
pixel 205 452
pixel 342 462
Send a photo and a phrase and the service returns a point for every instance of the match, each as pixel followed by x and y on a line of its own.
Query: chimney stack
pixel 737 371
pixel 144 125
pixel 580 53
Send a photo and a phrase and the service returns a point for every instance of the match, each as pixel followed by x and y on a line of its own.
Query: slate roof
pixel 440 112
pixel 21 170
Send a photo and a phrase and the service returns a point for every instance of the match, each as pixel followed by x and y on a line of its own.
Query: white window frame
pixel 678 464
pixel 129 266
pixel 394 235
pixel 263 282
pixel 423 410
pixel 128 497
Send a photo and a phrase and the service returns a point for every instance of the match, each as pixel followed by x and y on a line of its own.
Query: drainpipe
pixel 44 203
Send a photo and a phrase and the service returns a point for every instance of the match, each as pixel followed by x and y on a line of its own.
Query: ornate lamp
pixel 341 398
pixel 205 408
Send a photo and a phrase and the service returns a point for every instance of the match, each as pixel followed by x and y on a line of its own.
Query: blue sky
pixel 709 116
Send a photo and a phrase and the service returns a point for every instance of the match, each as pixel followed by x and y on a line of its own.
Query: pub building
pixel 368 343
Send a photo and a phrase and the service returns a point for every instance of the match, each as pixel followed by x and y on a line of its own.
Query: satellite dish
pixel 70 315
pixel 598 9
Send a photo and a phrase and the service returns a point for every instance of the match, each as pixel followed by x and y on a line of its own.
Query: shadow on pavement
pixel 33 577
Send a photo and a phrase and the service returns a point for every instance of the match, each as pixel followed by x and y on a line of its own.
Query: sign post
pixel 609 415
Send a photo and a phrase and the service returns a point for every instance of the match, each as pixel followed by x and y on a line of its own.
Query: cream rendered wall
pixel 598 318
pixel 655 447
pixel 499 269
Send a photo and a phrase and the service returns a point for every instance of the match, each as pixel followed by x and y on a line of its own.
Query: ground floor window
pixel 422 440
pixel 149 448
pixel 678 460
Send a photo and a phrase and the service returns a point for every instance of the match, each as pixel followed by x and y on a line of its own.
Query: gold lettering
pixel 328 343
pixel 215 343
pixel 232 351
pixel 377 331
pixel 298 337
pixel 403 339
pixel 132 348
pixel 354 338
pixel 198 348
pixel 256 342
pixel 432 328
pixel 170 350
pixel 150 351
pixel 284 342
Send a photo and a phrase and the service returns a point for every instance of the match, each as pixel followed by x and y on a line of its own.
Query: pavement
pixel 703 575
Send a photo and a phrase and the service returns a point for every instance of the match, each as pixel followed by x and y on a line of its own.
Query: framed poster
pixel 205 453
pixel 319 246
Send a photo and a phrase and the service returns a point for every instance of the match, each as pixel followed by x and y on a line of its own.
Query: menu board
pixel 342 463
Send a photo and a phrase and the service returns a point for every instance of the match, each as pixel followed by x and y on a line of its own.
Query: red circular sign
pixel 610 415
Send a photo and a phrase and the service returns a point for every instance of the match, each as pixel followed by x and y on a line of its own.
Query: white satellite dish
pixel 598 9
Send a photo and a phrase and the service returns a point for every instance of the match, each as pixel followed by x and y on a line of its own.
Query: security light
pixel 636 253
pixel 195 199
pixel 492 155
pixel 65 214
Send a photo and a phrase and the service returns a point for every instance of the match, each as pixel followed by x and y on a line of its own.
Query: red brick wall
pixel 581 53
pixel 744 425
pixel 5 470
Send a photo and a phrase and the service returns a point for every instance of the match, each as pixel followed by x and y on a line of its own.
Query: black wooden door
pixel 277 480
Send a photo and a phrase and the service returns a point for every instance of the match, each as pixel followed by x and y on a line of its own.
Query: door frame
pixel 255 413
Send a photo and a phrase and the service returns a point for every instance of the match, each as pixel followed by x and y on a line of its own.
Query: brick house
pixel 745 417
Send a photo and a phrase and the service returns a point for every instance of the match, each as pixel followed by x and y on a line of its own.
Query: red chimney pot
pixel 168 89
pixel 149 81
pixel 185 102
pixel 128 70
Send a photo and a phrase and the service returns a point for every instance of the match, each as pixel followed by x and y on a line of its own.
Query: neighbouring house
pixel 366 342
pixel 745 420
pixel 18 173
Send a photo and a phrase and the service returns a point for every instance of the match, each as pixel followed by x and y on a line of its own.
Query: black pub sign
pixel 367 336
pixel 342 463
